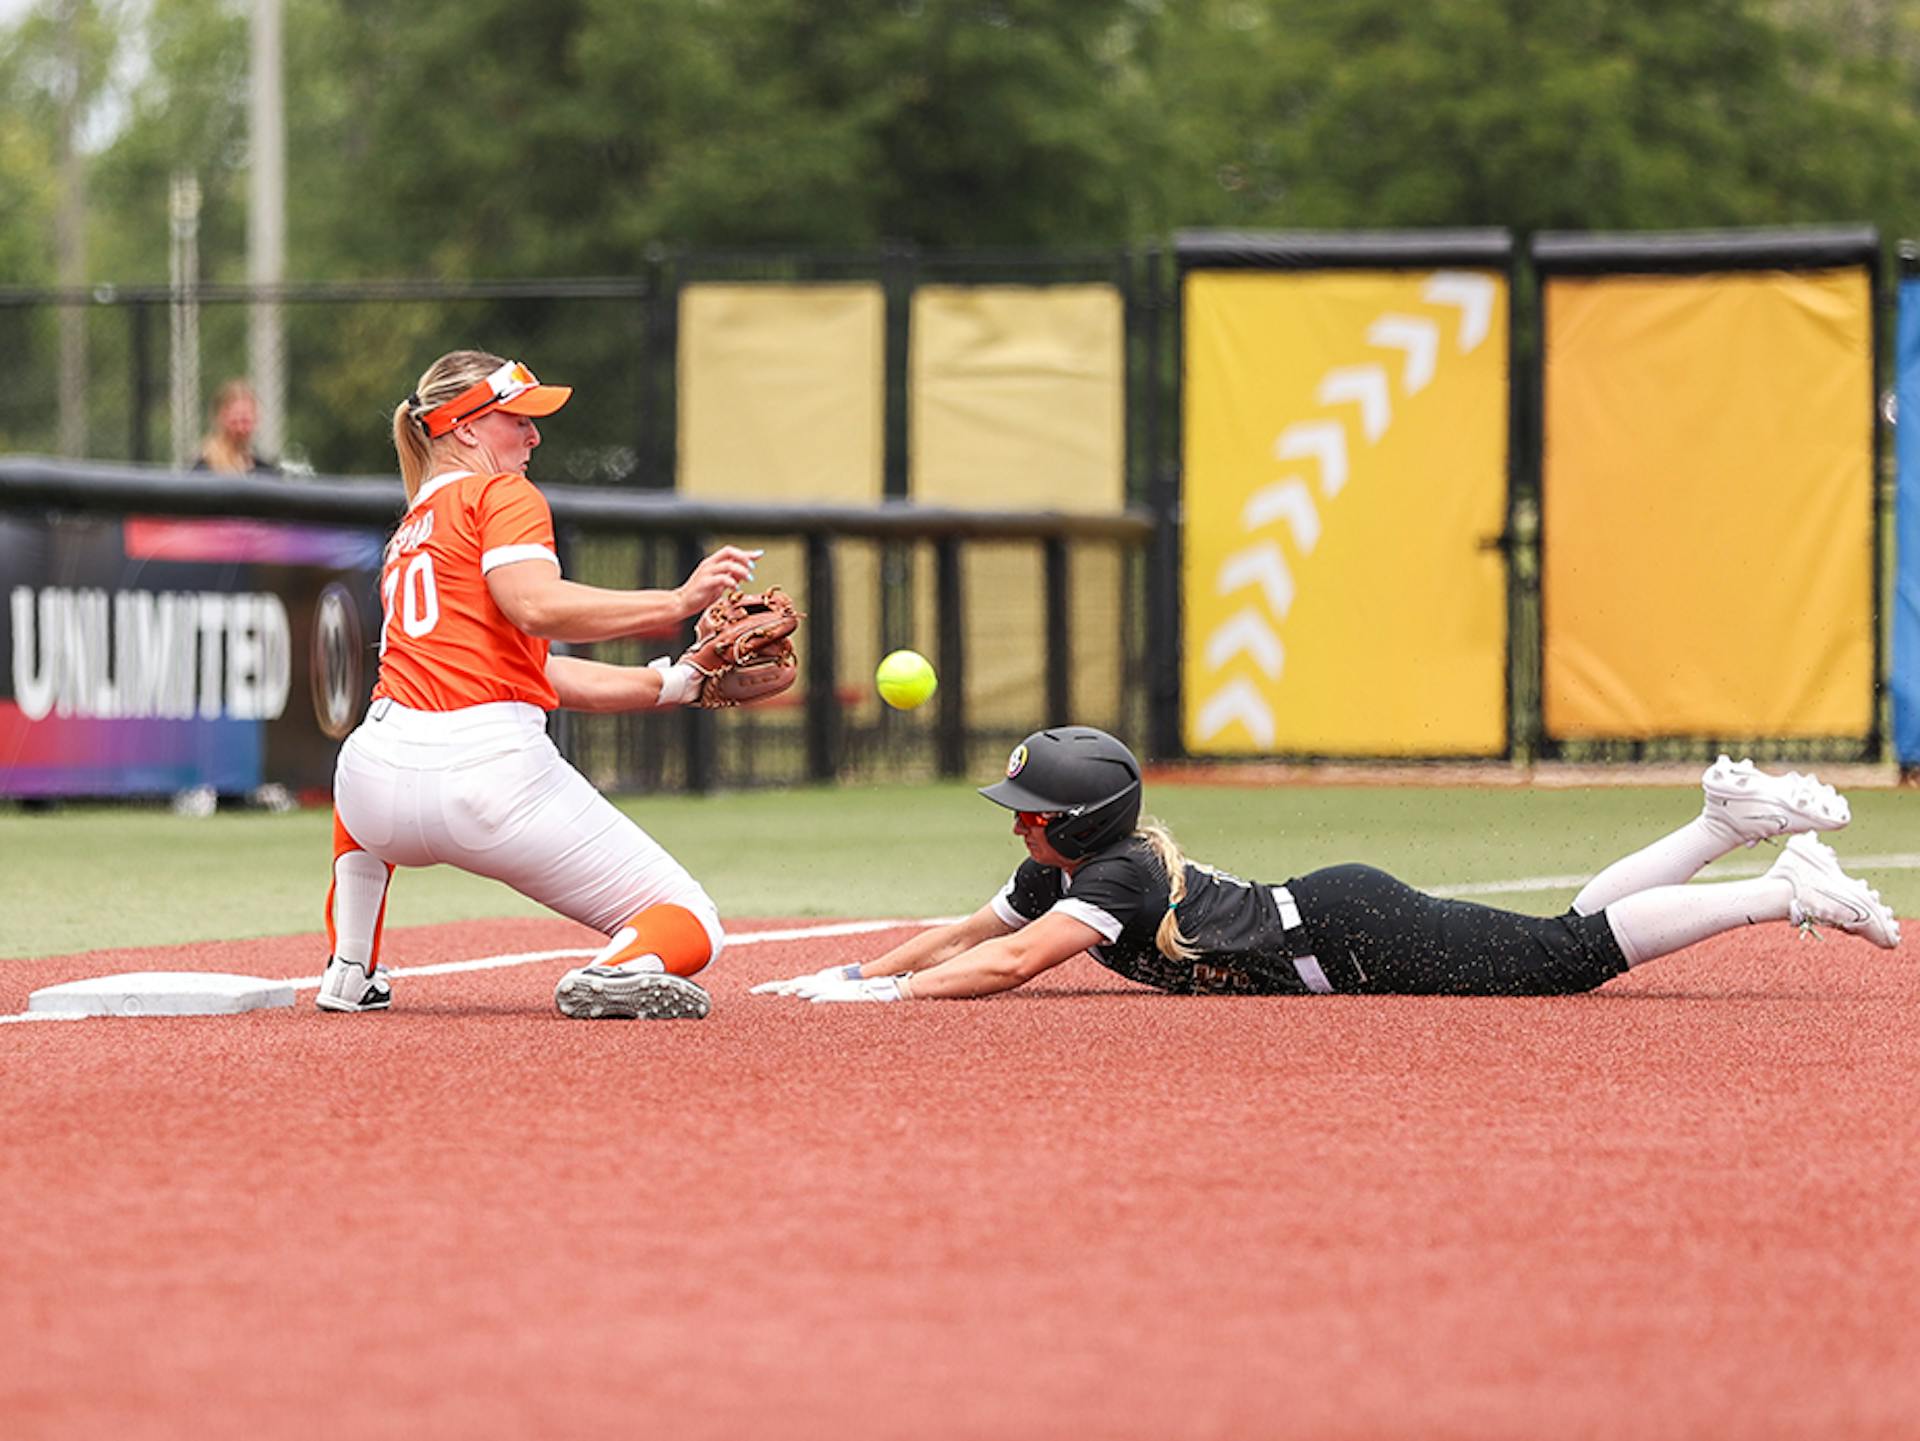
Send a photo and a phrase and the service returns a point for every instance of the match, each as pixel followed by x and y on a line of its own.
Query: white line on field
pixel 734 939
pixel 1856 865
pixel 528 958
pixel 1900 861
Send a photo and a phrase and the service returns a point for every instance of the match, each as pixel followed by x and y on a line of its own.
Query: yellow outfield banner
pixel 1706 495
pixel 782 397
pixel 1017 400
pixel 782 391
pixel 1018 396
pixel 1345 475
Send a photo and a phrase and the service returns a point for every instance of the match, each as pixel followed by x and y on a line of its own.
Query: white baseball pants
pixel 484 789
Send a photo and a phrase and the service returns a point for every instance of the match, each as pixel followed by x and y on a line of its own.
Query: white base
pixel 163 993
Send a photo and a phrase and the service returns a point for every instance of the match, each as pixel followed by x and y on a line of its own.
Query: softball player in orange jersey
pixel 453 765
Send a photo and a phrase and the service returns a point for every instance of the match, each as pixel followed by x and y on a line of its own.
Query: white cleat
pixel 1757 806
pixel 620 993
pixel 1823 894
pixel 346 986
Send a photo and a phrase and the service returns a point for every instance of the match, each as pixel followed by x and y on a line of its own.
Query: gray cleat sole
pixel 644 996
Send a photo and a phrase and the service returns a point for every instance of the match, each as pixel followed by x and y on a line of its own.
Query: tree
pixel 1531 114
pixel 583 133
pixel 497 140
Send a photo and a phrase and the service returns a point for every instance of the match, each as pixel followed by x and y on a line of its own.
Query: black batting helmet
pixel 1089 780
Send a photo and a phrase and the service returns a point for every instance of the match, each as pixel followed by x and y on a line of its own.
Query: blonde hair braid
pixel 1168 939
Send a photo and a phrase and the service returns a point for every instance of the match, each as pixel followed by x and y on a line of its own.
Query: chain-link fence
pixel 350 349
pixel 350 346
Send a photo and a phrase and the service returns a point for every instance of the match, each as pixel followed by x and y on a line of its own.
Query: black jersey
pixel 1122 894
pixel 1347 929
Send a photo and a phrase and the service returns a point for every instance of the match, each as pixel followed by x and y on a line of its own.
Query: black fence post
pixel 659 439
pixel 1163 501
pixel 697 735
pixel 560 722
pixel 897 273
pixel 898 269
pixel 1059 568
pixel 823 661
pixel 659 554
pixel 141 388
pixel 950 728
pixel 1163 618
pixel 896 594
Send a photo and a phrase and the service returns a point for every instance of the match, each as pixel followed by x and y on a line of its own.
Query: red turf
pixel 1688 1205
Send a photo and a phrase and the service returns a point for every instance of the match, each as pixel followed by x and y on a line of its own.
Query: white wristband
pixel 677 682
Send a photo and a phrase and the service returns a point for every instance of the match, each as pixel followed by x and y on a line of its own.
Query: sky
pixel 109 111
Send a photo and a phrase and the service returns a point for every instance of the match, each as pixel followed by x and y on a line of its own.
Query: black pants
pixel 1374 935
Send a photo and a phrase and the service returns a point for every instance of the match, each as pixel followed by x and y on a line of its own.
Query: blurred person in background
pixel 453 764
pixel 1102 879
pixel 227 446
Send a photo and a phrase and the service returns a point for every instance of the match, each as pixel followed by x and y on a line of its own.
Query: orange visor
pixel 511 388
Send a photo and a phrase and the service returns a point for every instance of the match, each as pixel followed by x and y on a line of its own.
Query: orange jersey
pixel 444 644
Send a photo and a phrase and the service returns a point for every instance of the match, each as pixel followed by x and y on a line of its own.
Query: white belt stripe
pixel 1311 976
pixel 1306 967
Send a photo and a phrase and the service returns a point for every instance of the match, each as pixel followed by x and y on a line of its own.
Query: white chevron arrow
pixel 1246 631
pixel 1418 338
pixel 1287 500
pixel 1260 565
pixel 1325 441
pixel 1471 294
pixel 1237 700
pixel 1363 385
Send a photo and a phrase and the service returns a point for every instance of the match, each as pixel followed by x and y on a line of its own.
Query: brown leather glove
pixel 743 650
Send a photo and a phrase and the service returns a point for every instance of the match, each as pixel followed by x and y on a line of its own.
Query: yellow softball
pixel 905 679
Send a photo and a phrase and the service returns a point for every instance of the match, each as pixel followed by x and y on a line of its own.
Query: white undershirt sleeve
pixel 509 554
pixel 1090 916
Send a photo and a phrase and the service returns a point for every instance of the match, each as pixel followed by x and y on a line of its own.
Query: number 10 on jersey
pixel 411 585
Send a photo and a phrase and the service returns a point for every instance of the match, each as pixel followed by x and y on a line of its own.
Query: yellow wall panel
pixel 781 391
pixel 781 398
pixel 1345 439
pixel 1017 401
pixel 1018 397
pixel 1706 510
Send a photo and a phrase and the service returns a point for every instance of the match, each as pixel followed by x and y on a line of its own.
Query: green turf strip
pixel 85 877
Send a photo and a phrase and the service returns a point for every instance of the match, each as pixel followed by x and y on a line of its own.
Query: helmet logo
pixel 1017 762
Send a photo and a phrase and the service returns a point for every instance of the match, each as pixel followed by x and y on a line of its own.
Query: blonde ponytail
pixel 441 381
pixel 410 443
pixel 1168 939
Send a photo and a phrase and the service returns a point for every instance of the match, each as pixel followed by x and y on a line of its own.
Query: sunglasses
pixel 1036 820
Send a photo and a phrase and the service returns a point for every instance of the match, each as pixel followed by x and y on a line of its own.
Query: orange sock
pixel 673 933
